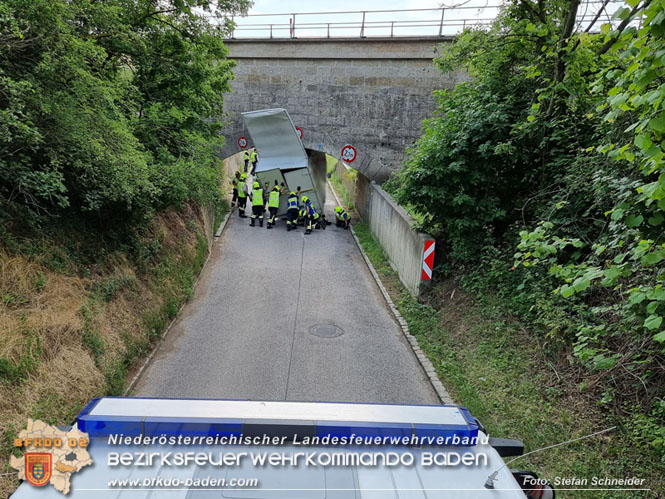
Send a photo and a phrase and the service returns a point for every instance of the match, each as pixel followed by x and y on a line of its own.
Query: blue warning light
pixel 131 416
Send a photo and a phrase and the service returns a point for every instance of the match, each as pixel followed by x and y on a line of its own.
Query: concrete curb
pixel 146 363
pixel 222 225
pixel 425 363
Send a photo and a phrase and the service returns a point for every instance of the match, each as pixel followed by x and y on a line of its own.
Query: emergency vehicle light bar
pixel 205 417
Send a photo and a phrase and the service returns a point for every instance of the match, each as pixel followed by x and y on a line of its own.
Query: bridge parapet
pixel 425 48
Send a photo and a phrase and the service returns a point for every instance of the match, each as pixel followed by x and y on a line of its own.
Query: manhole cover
pixel 326 331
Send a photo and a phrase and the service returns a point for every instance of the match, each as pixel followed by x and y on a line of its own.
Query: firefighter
pixel 304 213
pixel 258 204
pixel 235 182
pixel 312 218
pixel 242 195
pixel 343 219
pixel 254 157
pixel 273 203
pixel 246 157
pixel 292 211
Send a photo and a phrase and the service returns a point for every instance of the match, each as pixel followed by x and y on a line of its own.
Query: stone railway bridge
pixel 372 93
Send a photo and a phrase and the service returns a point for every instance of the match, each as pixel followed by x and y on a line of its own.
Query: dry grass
pixel 40 310
pixel 64 333
pixel 38 301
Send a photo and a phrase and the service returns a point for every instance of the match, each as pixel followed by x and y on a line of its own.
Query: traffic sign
pixel 428 260
pixel 242 142
pixel 299 130
pixel 349 153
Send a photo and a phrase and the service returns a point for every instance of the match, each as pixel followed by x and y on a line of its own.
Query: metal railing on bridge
pixel 442 21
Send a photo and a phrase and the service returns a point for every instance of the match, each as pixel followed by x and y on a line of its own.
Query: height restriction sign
pixel 242 142
pixel 428 260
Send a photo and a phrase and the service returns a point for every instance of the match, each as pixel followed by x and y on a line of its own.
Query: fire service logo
pixel 37 468
pixel 51 455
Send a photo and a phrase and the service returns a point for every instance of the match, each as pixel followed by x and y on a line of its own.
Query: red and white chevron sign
pixel 428 260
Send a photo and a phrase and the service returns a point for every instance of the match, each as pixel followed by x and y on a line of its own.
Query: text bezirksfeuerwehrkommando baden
pixel 293 459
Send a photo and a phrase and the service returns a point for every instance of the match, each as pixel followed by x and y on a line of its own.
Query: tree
pixel 545 171
pixel 490 147
pixel 110 108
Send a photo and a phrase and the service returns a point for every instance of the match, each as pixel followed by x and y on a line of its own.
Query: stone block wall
pixel 372 94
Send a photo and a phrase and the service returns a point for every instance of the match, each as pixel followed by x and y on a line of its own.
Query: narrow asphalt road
pixel 247 333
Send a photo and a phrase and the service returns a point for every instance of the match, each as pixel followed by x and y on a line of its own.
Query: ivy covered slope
pixel 543 178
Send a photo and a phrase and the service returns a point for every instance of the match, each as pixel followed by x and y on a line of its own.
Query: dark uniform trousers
pixel 292 217
pixel 257 211
pixel 242 204
pixel 273 214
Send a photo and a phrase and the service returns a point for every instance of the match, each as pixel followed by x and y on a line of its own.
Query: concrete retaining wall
pixel 208 214
pixel 393 228
pixel 229 166
pixel 233 164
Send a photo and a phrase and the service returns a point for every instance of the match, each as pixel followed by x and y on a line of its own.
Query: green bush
pixel 110 109
pixel 543 179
